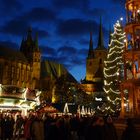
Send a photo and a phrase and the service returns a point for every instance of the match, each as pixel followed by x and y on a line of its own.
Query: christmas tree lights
pixel 113 69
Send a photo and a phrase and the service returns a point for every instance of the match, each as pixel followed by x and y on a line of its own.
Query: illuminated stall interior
pixel 18 99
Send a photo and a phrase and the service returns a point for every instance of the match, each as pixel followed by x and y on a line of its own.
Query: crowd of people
pixel 45 127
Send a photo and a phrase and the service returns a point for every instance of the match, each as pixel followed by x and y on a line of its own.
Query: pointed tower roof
pixel 29 35
pixel 22 45
pixel 100 38
pixel 36 48
pixel 90 51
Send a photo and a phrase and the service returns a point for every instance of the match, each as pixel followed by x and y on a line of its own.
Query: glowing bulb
pixel 124 40
pixel 121 18
pixel 125 105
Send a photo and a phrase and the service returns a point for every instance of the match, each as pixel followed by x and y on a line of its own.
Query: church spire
pixel 29 35
pixel 100 38
pixel 36 43
pixel 22 45
pixel 90 52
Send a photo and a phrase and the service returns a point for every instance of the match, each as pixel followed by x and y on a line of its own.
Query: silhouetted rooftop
pixel 55 70
pixel 12 54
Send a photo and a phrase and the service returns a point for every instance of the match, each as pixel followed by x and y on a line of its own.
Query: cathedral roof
pixel 90 51
pixel 55 70
pixel 12 54
pixel 29 44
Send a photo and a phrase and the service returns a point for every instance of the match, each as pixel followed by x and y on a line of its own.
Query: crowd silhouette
pixel 38 126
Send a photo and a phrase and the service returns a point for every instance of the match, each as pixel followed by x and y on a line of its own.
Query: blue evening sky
pixel 63 27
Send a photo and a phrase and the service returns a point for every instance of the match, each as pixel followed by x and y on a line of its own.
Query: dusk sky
pixel 63 27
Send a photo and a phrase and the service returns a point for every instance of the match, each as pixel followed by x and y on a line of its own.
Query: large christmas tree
pixel 113 69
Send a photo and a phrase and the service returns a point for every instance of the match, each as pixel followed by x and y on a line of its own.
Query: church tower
pixel 93 82
pixel 29 47
pixel 96 56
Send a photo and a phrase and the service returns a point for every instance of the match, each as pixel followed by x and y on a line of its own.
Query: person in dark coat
pixel 109 129
pixel 47 126
pixel 27 127
pixel 130 132
pixel 19 127
pixel 95 131
pixel 37 128
pixel 1 126
pixel 8 127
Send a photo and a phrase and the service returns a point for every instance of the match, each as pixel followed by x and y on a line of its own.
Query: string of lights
pixel 112 69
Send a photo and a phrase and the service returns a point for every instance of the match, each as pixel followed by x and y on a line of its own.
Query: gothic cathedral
pixel 21 68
